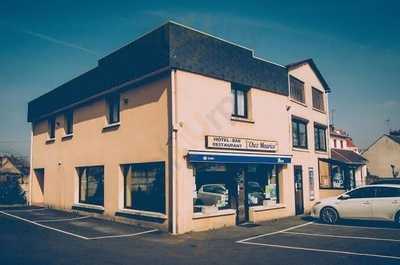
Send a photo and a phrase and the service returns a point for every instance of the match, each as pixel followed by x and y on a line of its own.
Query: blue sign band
pixel 237 159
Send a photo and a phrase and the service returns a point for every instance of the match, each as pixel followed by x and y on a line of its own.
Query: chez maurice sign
pixel 235 143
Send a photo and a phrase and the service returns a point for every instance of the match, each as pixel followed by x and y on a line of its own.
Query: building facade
pixel 183 131
pixel 384 156
pixel 14 179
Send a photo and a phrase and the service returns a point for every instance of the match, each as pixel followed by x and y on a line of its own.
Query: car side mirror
pixel 344 197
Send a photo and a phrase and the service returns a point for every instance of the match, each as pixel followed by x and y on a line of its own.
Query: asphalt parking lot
pixel 46 236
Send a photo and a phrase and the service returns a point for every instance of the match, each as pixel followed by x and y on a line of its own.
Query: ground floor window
pixel 222 186
pixel 144 186
pixel 262 185
pixel 91 185
pixel 333 175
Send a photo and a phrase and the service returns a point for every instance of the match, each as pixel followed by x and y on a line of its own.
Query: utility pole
pixel 332 114
pixel 387 123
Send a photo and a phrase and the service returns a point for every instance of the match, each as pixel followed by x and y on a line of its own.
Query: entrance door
pixel 240 196
pixel 298 189
pixel 38 187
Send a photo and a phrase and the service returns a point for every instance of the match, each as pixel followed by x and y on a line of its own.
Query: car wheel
pixel 329 215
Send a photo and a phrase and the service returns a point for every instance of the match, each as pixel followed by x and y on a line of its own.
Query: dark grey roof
pixel 315 69
pixel 167 47
pixel 347 156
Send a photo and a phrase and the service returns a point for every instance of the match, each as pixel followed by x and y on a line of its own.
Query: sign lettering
pixel 235 143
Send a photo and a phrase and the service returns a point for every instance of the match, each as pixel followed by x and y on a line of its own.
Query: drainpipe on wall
pixel 174 153
pixel 30 168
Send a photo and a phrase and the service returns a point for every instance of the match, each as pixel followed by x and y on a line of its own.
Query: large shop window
pixel 297 89
pixel 263 185
pixel 336 176
pixel 144 186
pixel 320 137
pixel 215 186
pixel 239 100
pixel 91 185
pixel 299 133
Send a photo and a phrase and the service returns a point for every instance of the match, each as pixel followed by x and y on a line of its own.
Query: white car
pixel 213 194
pixel 372 202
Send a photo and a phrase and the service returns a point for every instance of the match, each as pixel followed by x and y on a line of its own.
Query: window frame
pixel 346 170
pixel 234 90
pixel 317 129
pixel 80 184
pixel 146 165
pixel 315 91
pixel 374 191
pixel 382 188
pixel 113 102
pixel 291 89
pixel 69 122
pixel 51 123
pixel 299 121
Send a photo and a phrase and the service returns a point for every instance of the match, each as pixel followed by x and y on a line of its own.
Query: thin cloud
pixel 391 104
pixel 59 42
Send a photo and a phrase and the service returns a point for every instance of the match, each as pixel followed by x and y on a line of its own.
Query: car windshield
pixel 214 189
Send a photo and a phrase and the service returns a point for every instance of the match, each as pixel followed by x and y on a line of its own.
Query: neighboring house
pixel 309 117
pixel 185 131
pixel 340 139
pixel 384 156
pixel 345 169
pixel 13 170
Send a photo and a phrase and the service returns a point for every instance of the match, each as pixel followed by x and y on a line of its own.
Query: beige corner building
pixel 183 131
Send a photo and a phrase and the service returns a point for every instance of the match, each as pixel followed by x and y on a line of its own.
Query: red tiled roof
pixel 347 156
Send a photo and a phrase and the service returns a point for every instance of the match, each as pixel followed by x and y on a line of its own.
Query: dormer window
pixel 52 127
pixel 69 122
pixel 297 89
pixel 113 108
pixel 239 100
pixel 318 99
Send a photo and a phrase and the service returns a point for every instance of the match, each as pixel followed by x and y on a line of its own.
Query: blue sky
pixel 356 45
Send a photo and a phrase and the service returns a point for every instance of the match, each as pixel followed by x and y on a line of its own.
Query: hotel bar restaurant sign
pixel 235 143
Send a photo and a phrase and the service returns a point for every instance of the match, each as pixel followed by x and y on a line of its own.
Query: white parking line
pixel 126 235
pixel 361 227
pixel 274 233
pixel 322 250
pixel 61 220
pixel 44 226
pixel 72 234
pixel 345 237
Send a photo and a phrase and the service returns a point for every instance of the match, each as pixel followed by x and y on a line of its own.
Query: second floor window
pixel 299 133
pixel 239 100
pixel 318 99
pixel 297 90
pixel 69 122
pixel 320 137
pixel 52 127
pixel 113 108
